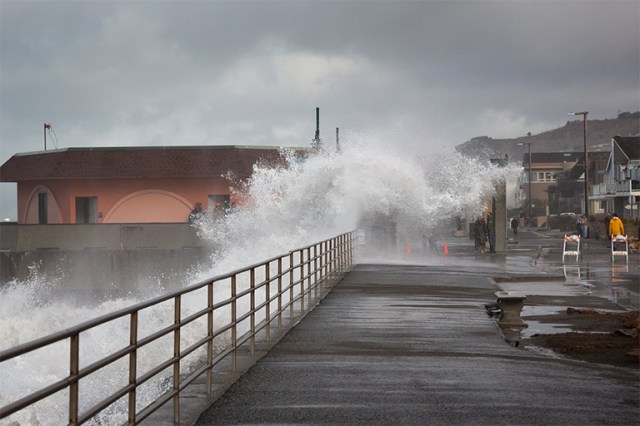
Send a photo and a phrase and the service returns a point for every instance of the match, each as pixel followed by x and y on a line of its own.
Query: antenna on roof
pixel 46 126
pixel 316 143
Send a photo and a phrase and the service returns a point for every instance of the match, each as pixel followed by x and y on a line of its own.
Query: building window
pixel 543 177
pixel 42 208
pixel 86 209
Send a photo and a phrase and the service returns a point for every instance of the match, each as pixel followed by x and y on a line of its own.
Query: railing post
pixel 210 336
pixel 315 267
pixel 291 274
pixel 234 327
pixel 341 251
pixel 309 275
pixel 339 255
pixel 74 364
pixel 176 355
pixel 320 262
pixel 302 279
pixel 280 292
pixel 327 261
pixel 346 251
pixel 333 257
pixel 252 297
pixel 325 254
pixel 342 254
pixel 133 362
pixel 351 240
pixel 267 314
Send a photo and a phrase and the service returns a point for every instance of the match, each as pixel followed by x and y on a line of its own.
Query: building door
pixel 42 208
pixel 86 209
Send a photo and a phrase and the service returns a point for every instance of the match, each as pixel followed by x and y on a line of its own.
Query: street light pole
pixel 586 161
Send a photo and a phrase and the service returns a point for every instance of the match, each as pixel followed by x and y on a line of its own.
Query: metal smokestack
pixel 316 143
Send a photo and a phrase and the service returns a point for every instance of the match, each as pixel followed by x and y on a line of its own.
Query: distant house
pixel 128 184
pixel 545 169
pixel 620 189
pixel 569 189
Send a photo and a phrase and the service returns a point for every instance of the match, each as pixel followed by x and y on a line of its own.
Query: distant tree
pixel 629 115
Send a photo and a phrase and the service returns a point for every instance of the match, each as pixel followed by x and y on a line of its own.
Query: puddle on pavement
pixel 610 282
pixel 536 327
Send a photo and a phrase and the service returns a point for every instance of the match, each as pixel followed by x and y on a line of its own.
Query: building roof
pixel 552 157
pixel 630 145
pixel 138 162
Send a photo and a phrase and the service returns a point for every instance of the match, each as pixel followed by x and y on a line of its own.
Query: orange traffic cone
pixel 446 248
pixel 408 250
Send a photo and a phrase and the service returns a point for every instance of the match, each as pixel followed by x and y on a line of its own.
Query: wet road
pixel 412 344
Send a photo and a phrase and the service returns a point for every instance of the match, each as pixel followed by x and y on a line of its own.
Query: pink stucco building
pixel 128 184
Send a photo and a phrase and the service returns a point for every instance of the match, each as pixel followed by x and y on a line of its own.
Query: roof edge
pixel 159 148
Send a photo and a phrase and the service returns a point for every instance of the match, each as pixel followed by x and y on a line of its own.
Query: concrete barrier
pixel 98 257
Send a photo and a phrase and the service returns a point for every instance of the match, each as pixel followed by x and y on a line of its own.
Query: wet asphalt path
pixel 413 345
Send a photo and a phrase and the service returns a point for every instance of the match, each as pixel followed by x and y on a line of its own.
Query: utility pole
pixel 337 139
pixel 586 161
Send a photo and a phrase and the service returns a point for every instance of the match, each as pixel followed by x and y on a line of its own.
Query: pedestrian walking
pixel 579 225
pixel 514 225
pixel 616 227
pixel 197 213
pixel 480 235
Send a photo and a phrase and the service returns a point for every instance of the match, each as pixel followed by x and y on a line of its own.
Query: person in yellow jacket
pixel 615 226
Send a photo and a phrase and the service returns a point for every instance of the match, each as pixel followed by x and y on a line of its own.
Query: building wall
pixel 119 201
pixel 539 191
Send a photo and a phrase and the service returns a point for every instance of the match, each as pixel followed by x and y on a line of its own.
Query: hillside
pixel 568 138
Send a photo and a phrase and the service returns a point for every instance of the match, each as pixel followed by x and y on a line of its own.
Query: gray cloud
pixel 252 72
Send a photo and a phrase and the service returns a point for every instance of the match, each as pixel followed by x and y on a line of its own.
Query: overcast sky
pixel 437 73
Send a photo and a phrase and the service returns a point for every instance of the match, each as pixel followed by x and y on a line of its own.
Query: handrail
pixel 316 263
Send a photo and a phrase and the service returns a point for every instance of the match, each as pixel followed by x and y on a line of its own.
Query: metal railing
pixel 297 274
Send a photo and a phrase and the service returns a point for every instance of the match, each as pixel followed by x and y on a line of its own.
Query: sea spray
pixel 326 194
pixel 282 208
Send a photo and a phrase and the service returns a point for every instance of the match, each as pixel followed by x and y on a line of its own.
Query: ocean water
pixel 371 182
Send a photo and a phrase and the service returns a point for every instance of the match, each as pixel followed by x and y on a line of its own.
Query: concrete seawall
pixel 98 257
